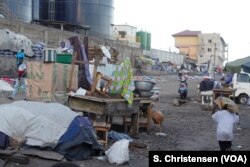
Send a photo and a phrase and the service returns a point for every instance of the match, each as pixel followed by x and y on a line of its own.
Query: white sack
pixel 118 153
pixel 5 86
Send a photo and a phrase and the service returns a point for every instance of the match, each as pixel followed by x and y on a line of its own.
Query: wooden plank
pixel 106 100
pixel 17 157
pixel 87 62
pixel 51 155
pixel 7 152
pixel 87 105
pixel 135 125
pixel 122 108
pixel 72 70
pixel 146 101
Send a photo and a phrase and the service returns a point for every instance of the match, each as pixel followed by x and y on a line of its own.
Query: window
pixel 210 41
pixel 122 34
pixel 243 78
pixel 209 49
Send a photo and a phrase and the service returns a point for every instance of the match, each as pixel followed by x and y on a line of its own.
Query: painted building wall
pixel 130 32
pixel 187 45
pixel 125 33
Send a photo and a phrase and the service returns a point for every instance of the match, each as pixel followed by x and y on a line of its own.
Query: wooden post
pixel 72 70
pixel 73 41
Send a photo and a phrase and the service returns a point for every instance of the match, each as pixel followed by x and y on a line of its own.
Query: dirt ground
pixel 187 127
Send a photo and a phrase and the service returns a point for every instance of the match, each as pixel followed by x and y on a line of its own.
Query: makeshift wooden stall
pixel 109 107
pixel 225 92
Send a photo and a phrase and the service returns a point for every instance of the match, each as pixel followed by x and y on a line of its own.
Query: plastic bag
pixel 118 136
pixel 118 153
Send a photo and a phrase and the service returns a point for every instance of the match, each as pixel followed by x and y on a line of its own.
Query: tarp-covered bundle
pixel 41 124
pixel 235 66
pixel 15 42
pixel 49 125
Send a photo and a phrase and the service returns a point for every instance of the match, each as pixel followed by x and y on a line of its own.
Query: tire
pixel 243 99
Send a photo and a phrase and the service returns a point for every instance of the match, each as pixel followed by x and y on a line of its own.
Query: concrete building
pixel 212 47
pixel 201 47
pixel 125 33
pixel 187 42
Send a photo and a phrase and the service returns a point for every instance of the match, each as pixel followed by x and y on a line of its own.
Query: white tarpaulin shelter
pixel 15 42
pixel 40 124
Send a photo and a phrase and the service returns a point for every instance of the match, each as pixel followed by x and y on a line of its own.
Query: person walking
pixel 225 121
pixel 19 55
pixel 21 77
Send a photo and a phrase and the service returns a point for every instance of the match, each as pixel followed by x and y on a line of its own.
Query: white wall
pixel 165 56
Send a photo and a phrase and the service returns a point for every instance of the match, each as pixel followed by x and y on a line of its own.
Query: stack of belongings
pixel 222 101
pixel 7 53
pixel 38 48
pixel 11 43
pixel 114 55
pixel 47 126
pixel 97 51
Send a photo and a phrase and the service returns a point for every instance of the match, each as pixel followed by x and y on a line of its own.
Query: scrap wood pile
pixel 96 51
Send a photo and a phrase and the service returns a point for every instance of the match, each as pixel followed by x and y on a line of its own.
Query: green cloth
pixel 122 79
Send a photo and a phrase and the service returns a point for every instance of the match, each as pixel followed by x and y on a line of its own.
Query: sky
pixel 163 18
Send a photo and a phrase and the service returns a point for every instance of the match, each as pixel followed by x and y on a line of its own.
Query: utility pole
pixel 214 53
pixel 213 71
pixel 227 53
pixel 18 15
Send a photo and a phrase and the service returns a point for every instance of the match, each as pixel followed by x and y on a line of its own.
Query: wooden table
pixel 225 92
pixel 108 107
pixel 144 121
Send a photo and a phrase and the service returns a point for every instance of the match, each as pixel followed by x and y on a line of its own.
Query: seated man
pixel 206 84
pixel 206 88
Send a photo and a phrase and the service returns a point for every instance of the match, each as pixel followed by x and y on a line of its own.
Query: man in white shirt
pixel 21 80
pixel 225 121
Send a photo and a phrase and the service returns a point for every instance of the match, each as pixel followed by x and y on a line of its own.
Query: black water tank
pixel 98 14
pixel 17 9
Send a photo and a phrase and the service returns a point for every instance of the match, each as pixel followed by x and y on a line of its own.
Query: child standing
pixel 225 121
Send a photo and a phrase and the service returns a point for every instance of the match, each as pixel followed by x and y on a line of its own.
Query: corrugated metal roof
pixel 187 33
